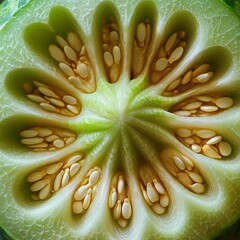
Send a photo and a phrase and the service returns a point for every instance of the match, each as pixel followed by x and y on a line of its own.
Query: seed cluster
pixel 140 47
pixel 202 106
pixel 41 139
pixel 52 99
pixel 197 75
pixel 153 190
pixel 183 169
pixel 53 177
pixel 72 56
pixel 85 193
pixel 168 56
pixel 119 199
pixel 204 141
pixel 111 46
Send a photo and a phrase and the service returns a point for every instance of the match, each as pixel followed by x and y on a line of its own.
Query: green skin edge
pixel 231 224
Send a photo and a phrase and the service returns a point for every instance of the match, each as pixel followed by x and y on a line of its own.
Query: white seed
pixel 74 41
pixel 164 200
pixel 108 58
pixel 224 102
pixel 77 207
pixel 51 138
pixel 54 168
pixel 56 102
pixel 186 78
pixel 188 162
pixel 57 53
pixel 58 143
pixel 192 105
pixel 157 208
pixel 31 141
pixel 66 177
pixel 47 92
pixel 171 42
pixel 205 77
pixel 161 64
pixel 29 133
pixel 66 69
pixel 183 113
pixel 225 148
pixel 61 41
pixel 57 181
pixel 70 140
pixel 195 177
pixel 182 132
pixel 152 193
pixel 145 196
pixel 94 177
pixel 116 54
pixel 158 186
pixel 81 193
pixel 210 151
pixel 45 192
pixel 201 69
pixel 69 99
pixel 120 184
pixel 37 98
pixel 112 200
pixel 70 53
pixel 214 140
pixel 197 188
pixel 205 133
pixel 179 163
pixel 87 199
pixel 82 70
pixel 35 176
pixel 173 85
pixel 44 132
pixel 126 209
pixel 209 108
pixel 49 107
pixel 141 33
pixel 117 211
pixel 189 140
pixel 74 169
pixel 176 54
pixel 39 185
pixel 73 160
pixel 73 109
pixel 196 148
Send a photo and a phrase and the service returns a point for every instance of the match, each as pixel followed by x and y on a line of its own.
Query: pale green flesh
pixel 121 126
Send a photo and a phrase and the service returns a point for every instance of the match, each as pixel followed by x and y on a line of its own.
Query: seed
pixel 186 78
pixel 51 138
pixel 61 41
pixel 57 53
pixel 57 181
pixel 188 162
pixel 205 133
pixel 70 53
pixel 224 102
pixel 197 188
pixel 44 132
pixel 66 177
pixel 189 140
pixel 120 185
pixel 225 148
pixel 116 54
pixel 35 176
pixel 122 222
pixel 204 98
pixel 73 160
pixel 54 168
pixel 196 148
pixel 94 177
pixel 82 70
pixel 56 102
pixel 179 163
pixel 141 33
pixel 114 37
pixel 173 85
pixel 192 105
pixel 184 179
pixel 209 108
pixel 74 41
pixel 205 77
pixel 152 193
pixel 210 151
pixel 158 186
pixel 47 92
pixel 39 185
pixel 195 177
pixel 182 132
pixel 201 69
pixel 66 69
pixel 31 141
pixel 171 42
pixel 157 208
pixel 27 87
pixel 126 209
pixel 45 192
pixel 49 107
pixel 176 54
pixel 73 109
pixel 39 146
pixel 183 113
pixel 164 200
pixel 58 143
pixel 29 133
pixel 74 169
pixel 40 84
pixel 87 199
pixel 108 58
pixel 77 207
pixel 117 210
pixel 112 200
pixel 69 99
pixel 161 64
pixel 81 193
pixel 214 140
pixel 36 98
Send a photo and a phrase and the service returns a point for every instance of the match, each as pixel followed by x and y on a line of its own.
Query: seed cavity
pixel 85 193
pixel 112 49
pixel 204 141
pixel 119 199
pixel 141 42
pixel 51 99
pixel 197 75
pixel 153 190
pixel 52 177
pixel 202 106
pixel 184 170
pixel 168 56
pixel 41 138
pixel 73 61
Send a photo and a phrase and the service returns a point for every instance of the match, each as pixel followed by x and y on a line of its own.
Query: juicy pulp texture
pixel 127 123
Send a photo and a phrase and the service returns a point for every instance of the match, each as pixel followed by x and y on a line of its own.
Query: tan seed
pixel 73 109
pixel 44 132
pixel 224 102
pixel 184 179
pixel 73 160
pixel 56 102
pixel 210 151
pixel 158 186
pixel 47 92
pixel 66 177
pixel 77 207
pixel 205 77
pixel 74 169
pixel 126 209
pixel 205 133
pixel 57 181
pixel 31 141
pixel 66 69
pixel 69 99
pixel 49 107
pixel 189 140
pixel 61 41
pixel 29 133
pixel 197 188
pixel 120 185
pixel 209 108
pixel 45 192
pixel 145 196
pixel 186 78
pixel 87 199
pixel 54 168
pixel 201 69
pixel 161 64
pixel 112 199
pixel 114 37
pixel 39 146
pixel 74 41
pixel 183 132
pixel 117 211
pixel 108 58
pixel 122 222
pixel 58 143
pixel 37 98
pixel 176 55
pixel 82 70
pixel 179 163
pixel 39 185
pixel 188 162
pixel 40 84
pixel 35 176
pixel 183 113
pixel 196 148
pixel 171 42
pixel 225 148
pixel 173 85
pixel 157 208
pixel 51 138
pixel 192 105
pixel 70 140
pixel 70 53
pixel 141 34
pixel 164 200
pixel 214 140
pixel 152 193
pixel 81 193
pixel 195 177
pixel 204 98
pixel 27 87
pixel 116 54
pixel 94 177
pixel 57 53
